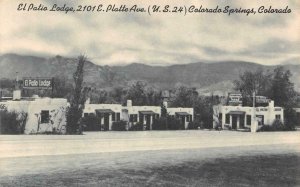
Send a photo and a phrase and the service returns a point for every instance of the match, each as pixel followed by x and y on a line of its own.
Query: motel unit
pixel 43 114
pixel 109 113
pixel 239 117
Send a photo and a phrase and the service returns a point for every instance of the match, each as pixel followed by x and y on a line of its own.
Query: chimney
pixel 88 101
pixel 165 103
pixel 271 104
pixel 129 103
pixel 16 95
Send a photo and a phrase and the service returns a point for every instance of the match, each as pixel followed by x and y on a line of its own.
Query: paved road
pixel 69 158
pixel 103 142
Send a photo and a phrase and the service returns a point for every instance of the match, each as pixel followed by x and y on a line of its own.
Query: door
pixel 242 121
pixel 234 121
pixel 106 122
pixel 183 121
pixel 148 120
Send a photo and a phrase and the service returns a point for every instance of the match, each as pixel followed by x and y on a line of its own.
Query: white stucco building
pixel 44 114
pixel 243 116
pixel 186 115
pixel 109 113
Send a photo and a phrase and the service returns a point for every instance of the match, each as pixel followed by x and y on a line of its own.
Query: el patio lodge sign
pixel 38 83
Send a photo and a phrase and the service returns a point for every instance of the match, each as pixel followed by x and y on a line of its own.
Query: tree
pixel 276 86
pixel 184 97
pixel 203 110
pixel 77 99
pixel 249 82
pixel 282 89
pixel 137 93
pixel 163 110
pixel 118 94
pixel 61 87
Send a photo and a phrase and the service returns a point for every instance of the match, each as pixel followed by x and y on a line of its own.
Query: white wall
pixel 190 111
pixel 128 110
pixel 268 112
pixel 57 110
pixel 91 108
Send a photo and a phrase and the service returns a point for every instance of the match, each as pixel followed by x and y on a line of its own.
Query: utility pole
pixel 17 81
pixel 253 124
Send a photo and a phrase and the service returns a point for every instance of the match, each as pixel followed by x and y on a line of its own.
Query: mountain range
pixel 206 77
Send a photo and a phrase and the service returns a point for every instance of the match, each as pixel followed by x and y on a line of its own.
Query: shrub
pixel 90 123
pixel 12 122
pixel 174 123
pixel 167 123
pixel 218 127
pixel 160 124
pixel 291 119
pixel 119 126
pixel 137 127
pixel 277 125
pixel 195 125
pixel 227 127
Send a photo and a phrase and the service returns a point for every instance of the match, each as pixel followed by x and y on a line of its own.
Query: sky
pixel 158 39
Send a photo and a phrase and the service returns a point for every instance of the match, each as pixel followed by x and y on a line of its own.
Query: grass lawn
pixel 255 170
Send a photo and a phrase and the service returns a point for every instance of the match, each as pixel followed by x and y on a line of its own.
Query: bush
pixel 90 123
pixel 12 122
pixel 218 127
pixel 160 124
pixel 291 119
pixel 277 125
pixel 174 123
pixel 227 127
pixel 167 123
pixel 195 125
pixel 119 126
pixel 137 127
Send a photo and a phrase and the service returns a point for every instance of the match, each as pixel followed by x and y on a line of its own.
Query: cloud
pixel 121 38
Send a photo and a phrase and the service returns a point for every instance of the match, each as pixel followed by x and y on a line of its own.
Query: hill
pixel 206 77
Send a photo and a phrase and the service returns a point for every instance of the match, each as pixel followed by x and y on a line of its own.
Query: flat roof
pixel 145 112
pixel 104 111
pixel 182 113
pixel 236 112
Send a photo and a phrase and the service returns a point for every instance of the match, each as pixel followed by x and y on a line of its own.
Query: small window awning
pixel 182 113
pixel 147 112
pixel 104 111
pixel 237 113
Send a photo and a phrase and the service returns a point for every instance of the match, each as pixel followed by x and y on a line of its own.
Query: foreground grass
pixel 259 170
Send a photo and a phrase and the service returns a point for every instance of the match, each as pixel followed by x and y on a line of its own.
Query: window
pixel 85 115
pixel 113 116
pixel 277 116
pixel 45 116
pixel 260 119
pixel 118 116
pixel 227 119
pixel 133 118
pixel 248 119
pixel 130 118
pixel 141 118
pixel 189 118
pixel 155 116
